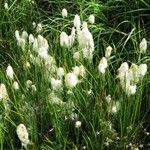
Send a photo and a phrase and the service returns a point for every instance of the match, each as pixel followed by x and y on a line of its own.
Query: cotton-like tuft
pixel 23 135
pixel 92 19
pixel 64 13
pixel 71 80
pixel 10 72
pixel 143 46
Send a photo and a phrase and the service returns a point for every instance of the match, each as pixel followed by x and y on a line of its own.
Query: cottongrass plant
pixel 80 100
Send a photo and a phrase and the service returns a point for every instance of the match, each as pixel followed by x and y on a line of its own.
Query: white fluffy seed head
pixel 56 84
pixel 60 72
pixel 55 99
pixel 123 71
pixel 92 19
pixel 104 62
pixel 134 68
pixel 24 35
pixel 124 67
pixel 86 42
pixel 6 6
pixel 9 72
pixel 133 73
pixel 40 39
pixel 84 25
pixel 29 83
pixel 35 45
pixel 108 51
pixel 85 36
pixel 71 80
pixel 64 13
pixel 23 134
pixel 101 68
pixel 43 53
pixel 64 40
pixel 89 92
pixel 3 92
pixel 31 39
pixel 102 65
pixel 22 43
pixel 82 71
pixel 132 89
pixel 33 87
pixel 39 28
pixel 76 70
pixel 108 98
pixel 27 65
pixel 16 85
pixel 17 35
pixel 71 38
pixel 143 46
pixel 77 22
pixel 34 24
pixel 42 42
pixel 115 108
pixel 142 70
pixel 78 124
pixel 76 56
pixel 45 43
pixel 73 31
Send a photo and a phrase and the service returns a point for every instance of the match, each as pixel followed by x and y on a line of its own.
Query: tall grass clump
pixel 74 75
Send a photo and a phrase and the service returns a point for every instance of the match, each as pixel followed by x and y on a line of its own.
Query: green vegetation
pixel 66 86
